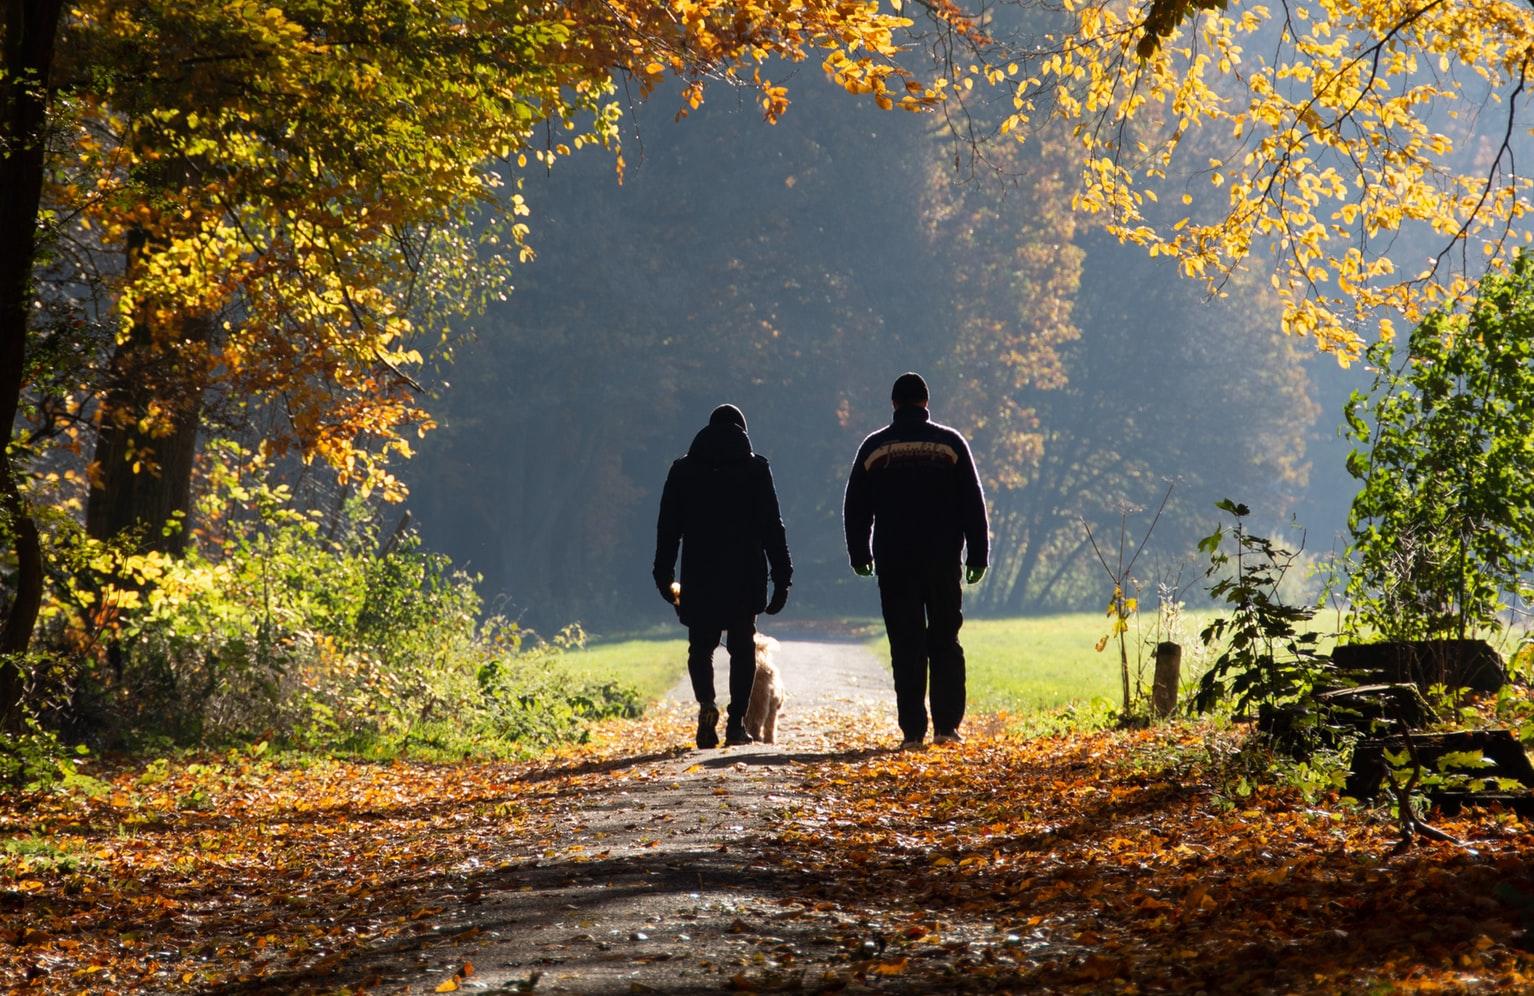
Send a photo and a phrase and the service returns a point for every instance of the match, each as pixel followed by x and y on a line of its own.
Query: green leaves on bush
pixel 35 759
pixel 272 626
pixel 1441 525
pixel 1266 660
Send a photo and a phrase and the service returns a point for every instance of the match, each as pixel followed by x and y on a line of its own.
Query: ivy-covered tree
pixel 28 44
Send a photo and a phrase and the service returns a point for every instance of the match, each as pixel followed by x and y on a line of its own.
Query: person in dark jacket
pixel 720 506
pixel 914 486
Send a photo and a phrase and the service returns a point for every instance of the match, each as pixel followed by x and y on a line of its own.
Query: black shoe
pixel 708 718
pixel 735 735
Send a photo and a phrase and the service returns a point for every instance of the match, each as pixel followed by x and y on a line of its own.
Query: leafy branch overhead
pixel 1360 152
pixel 317 191
pixel 1162 17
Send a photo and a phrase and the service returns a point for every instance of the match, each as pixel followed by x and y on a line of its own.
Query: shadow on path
pixel 776 758
pixel 602 767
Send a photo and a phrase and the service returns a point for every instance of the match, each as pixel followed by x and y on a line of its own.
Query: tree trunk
pixel 1022 580
pixel 122 498
pixel 1033 599
pixel 30 39
pixel 142 479
pixel 28 600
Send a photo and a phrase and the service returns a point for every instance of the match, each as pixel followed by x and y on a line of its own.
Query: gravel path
pixel 668 880
pixel 814 673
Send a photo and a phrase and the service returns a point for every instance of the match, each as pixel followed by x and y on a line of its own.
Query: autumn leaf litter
pixel 1102 862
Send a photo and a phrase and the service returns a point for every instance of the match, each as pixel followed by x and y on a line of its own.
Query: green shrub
pixel 272 627
pixel 36 759
pixel 1266 660
pixel 1442 536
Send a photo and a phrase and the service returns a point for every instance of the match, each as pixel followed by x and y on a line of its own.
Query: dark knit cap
pixel 728 415
pixel 909 389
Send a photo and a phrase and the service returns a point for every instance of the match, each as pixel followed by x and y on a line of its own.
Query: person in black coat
pixel 914 486
pixel 719 505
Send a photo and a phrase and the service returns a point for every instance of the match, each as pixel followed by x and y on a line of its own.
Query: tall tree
pixel 26 79
pixel 1155 386
pixel 1007 239
pixel 1442 540
pixel 295 173
pixel 269 171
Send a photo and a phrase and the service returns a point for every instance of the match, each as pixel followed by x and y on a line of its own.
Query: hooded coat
pixel 720 507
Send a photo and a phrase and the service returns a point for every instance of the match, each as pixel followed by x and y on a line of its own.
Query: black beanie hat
pixel 728 415
pixel 909 389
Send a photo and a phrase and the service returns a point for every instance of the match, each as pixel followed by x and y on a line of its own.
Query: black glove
pixel 663 585
pixel 779 599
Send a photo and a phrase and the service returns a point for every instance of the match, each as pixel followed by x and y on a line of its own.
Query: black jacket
pixel 914 485
pixel 720 506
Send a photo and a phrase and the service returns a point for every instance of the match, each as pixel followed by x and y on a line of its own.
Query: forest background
pixel 796 271
pixel 262 256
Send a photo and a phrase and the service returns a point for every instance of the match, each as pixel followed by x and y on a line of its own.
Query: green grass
pixel 1021 666
pixel 650 667
pixel 1037 663
pixel 1030 664
pixel 41 855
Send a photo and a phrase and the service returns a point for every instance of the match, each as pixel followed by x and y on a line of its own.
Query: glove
pixel 972 575
pixel 779 599
pixel 863 570
pixel 669 590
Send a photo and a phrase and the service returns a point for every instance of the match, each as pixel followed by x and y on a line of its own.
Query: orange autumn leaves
pixel 1129 859
pixel 702 40
pixel 1086 863
pixel 1361 152
pixel 180 876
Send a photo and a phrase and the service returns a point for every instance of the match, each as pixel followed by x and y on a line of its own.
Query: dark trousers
pixel 741 643
pixel 922 615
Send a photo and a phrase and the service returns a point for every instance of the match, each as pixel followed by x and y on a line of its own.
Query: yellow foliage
pixel 1337 144
pixel 350 172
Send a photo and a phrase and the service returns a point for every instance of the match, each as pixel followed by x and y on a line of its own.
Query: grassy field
pixel 648 666
pixel 1019 665
pixel 1042 662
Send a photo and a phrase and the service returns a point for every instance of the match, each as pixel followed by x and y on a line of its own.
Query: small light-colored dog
pixel 766 693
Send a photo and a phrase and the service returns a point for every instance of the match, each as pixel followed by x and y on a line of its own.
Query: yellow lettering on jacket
pixel 911 452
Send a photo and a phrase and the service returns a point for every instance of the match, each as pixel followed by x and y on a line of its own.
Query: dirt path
pixel 817 673
pixel 665 882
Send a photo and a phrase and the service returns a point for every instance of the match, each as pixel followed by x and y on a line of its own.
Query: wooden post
pixel 1168 674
